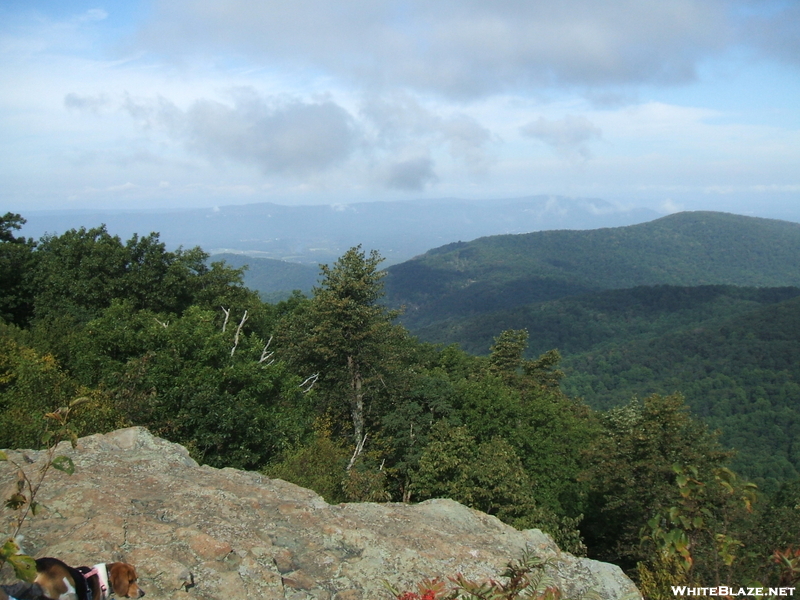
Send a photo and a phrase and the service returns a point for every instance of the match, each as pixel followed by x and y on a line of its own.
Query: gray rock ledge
pixel 198 532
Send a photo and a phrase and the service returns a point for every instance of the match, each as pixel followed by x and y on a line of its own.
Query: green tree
pixel 32 385
pixel 344 339
pixel 631 474
pixel 217 391
pixel 16 261
pixel 81 272
pixel 489 477
pixel 696 541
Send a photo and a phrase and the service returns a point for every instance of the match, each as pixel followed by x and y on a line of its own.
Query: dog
pixel 62 582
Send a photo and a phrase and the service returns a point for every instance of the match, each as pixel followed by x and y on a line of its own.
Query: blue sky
pixel 668 104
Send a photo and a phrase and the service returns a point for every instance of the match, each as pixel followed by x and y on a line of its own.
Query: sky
pixel 140 104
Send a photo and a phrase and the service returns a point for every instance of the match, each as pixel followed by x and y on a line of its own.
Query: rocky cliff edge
pixel 198 532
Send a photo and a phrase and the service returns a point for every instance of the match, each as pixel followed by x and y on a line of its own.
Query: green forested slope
pixel 741 376
pixel 581 323
pixel 502 272
pixel 273 279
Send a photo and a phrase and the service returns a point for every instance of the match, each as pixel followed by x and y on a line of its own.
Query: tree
pixel 79 273
pixel 217 391
pixel 632 474
pixel 345 339
pixel 488 476
pixel 16 261
pixel 33 385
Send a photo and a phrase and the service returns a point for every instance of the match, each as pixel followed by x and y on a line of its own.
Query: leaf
pixel 16 501
pixel 35 508
pixel 46 437
pixel 10 548
pixel 3 455
pixel 64 463
pixel 24 566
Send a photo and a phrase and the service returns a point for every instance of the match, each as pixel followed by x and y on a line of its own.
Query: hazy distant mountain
pixel 322 233
pixel 497 273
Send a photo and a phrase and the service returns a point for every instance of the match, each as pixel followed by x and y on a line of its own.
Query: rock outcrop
pixel 198 532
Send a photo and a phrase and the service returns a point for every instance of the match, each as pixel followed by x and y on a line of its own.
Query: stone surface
pixel 195 532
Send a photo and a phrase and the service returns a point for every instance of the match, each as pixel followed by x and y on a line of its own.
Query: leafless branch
pixel 309 381
pixel 357 452
pixel 163 324
pixel 266 355
pixel 238 331
pixel 227 312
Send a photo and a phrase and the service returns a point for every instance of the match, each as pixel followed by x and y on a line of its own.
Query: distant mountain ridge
pixel 322 233
pixel 684 249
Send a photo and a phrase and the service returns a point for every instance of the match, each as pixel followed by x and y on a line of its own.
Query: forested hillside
pixel 331 392
pixel 733 352
pixel 503 272
pixel 273 279
pixel 580 323
pixel 741 375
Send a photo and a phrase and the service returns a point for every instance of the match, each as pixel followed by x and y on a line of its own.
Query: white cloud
pixel 279 135
pixel 567 136
pixel 86 103
pixel 94 14
pixel 364 99
pixel 410 175
pixel 460 49
pixel 669 206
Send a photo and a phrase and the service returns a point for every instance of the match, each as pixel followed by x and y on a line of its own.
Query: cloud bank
pixel 460 49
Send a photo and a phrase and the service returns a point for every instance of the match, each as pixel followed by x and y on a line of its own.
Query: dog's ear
pixel 120 577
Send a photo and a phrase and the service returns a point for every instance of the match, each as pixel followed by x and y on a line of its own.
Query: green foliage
pixel 741 376
pixel 695 539
pixel 22 501
pixel 776 530
pixel 547 430
pixel 82 271
pixel 16 261
pixel 489 477
pixel 590 321
pixel 345 339
pixel 501 272
pixel 330 393
pixel 631 476
pixel 188 380
pixel 319 465
pixel 34 384
pixel 272 278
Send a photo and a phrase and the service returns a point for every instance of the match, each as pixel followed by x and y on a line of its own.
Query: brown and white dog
pixel 62 582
